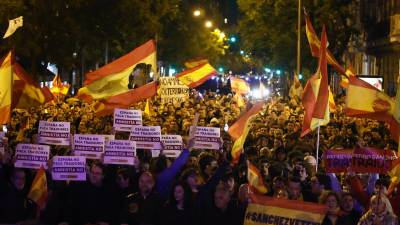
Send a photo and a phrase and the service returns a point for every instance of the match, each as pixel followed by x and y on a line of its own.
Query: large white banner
pixel 121 152
pixel 207 137
pixel 89 145
pixel 172 90
pixel 69 168
pixel 125 119
pixel 54 133
pixel 146 137
pixel 31 156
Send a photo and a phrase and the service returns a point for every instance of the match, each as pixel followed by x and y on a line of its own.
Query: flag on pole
pixel 255 180
pixel 239 86
pixel 332 105
pixel 114 78
pixel 237 129
pixel 124 100
pixel 6 88
pixel 38 192
pixel 316 94
pixel 315 46
pixel 148 108
pixel 197 75
pixel 13 25
pixel 344 82
pixel 237 147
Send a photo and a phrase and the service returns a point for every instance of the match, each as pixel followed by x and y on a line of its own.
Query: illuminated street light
pixel 233 39
pixel 208 24
pixel 268 70
pixel 196 13
pixel 278 72
pixel 300 76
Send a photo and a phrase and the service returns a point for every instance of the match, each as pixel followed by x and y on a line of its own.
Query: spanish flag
pixel 237 129
pixel 237 147
pixel 256 182
pixel 124 100
pixel 239 100
pixel 344 82
pixel 197 75
pixel 365 101
pixel 239 85
pixel 148 108
pixel 332 105
pixel 6 88
pixel 266 210
pixel 195 62
pixel 59 89
pixel 113 78
pixel 26 92
pixel 38 192
pixel 316 94
pixel 315 46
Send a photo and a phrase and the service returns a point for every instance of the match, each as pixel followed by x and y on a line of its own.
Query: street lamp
pixel 196 13
pixel 208 24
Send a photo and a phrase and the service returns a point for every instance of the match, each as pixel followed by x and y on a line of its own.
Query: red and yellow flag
pixel 195 62
pixel 237 147
pixel 197 75
pixel 332 105
pixel 256 182
pixel 365 101
pixel 26 92
pixel 6 76
pixel 344 82
pixel 315 46
pixel 124 100
pixel 266 210
pixel 237 129
pixel 239 86
pixel 38 192
pixel 239 100
pixel 316 94
pixel 59 89
pixel 148 109
pixel 113 78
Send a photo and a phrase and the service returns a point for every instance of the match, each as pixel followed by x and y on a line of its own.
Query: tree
pixel 268 29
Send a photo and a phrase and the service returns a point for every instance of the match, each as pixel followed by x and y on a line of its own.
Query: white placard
pixel 172 90
pixel 146 137
pixel 69 168
pixel 89 145
pixel 207 137
pixel 121 152
pixel 54 133
pixel 173 145
pixel 125 119
pixel 32 156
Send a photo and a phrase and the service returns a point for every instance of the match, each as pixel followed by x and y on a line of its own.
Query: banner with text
pixel 31 156
pixel 69 168
pixel 121 152
pixel 266 210
pixel 173 146
pixel 146 137
pixel 172 90
pixel 360 160
pixel 89 145
pixel 207 137
pixel 54 133
pixel 125 119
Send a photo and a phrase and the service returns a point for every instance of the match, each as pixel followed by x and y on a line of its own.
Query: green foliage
pixel 268 29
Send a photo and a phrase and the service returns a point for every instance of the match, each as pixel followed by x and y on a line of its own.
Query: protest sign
pixel 89 145
pixel 54 133
pixel 266 210
pixel 2 135
pixel 146 137
pixel 172 90
pixel 173 146
pixel 121 152
pixel 206 137
pixel 125 119
pixel 359 160
pixel 69 168
pixel 31 156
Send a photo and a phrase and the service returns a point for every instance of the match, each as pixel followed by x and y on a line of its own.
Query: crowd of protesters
pixel 200 187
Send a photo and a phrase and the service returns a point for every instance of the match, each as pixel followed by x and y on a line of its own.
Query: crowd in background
pixel 201 186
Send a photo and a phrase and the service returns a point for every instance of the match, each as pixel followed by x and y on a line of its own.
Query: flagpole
pixel 298 36
pixel 316 157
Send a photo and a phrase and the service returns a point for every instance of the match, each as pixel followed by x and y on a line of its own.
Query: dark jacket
pixel 142 211
pixel 171 215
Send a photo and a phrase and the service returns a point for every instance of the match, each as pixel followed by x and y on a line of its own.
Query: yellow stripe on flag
pixel 5 89
pixel 239 85
pixel 195 76
pixel 38 192
pixel 238 144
